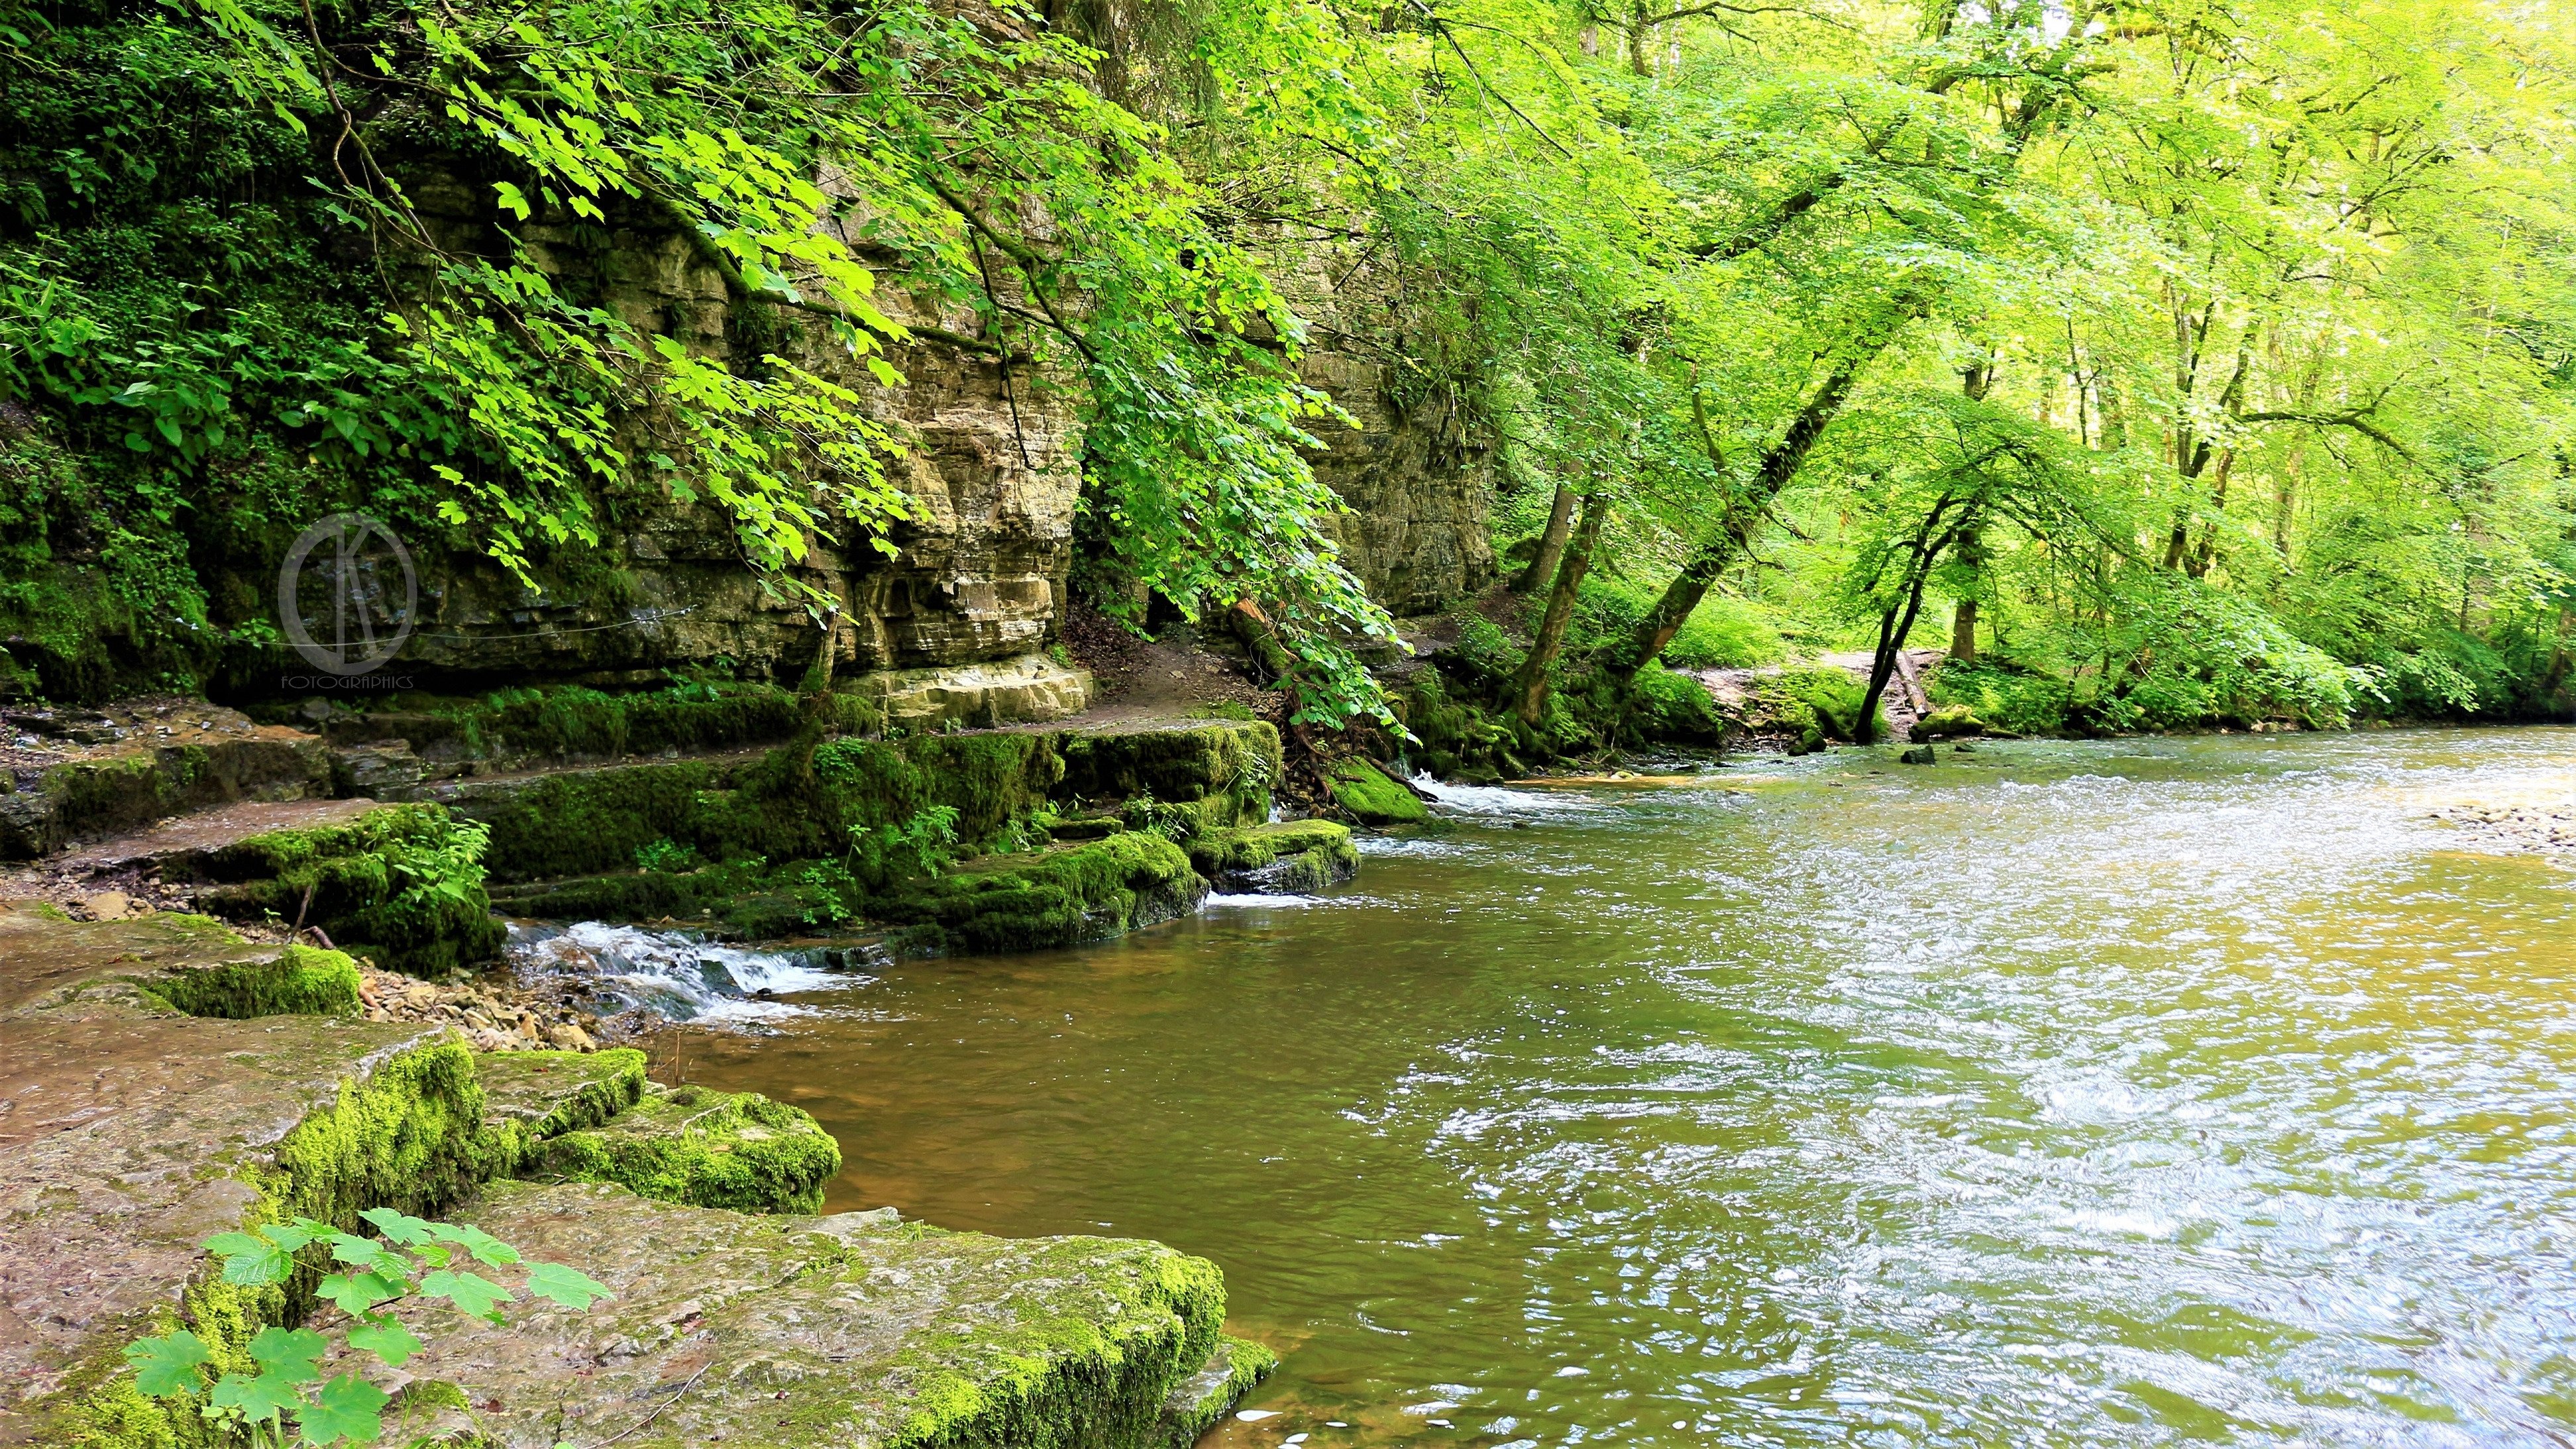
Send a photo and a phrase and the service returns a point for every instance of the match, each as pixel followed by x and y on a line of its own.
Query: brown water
pixel 2134 1092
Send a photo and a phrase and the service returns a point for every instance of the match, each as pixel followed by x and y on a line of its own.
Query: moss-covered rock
pixel 530 1098
pixel 1225 771
pixel 814 834
pixel 1235 1369
pixel 1948 721
pixel 302 980
pixel 1364 792
pixel 1060 896
pixel 736 1150
pixel 402 884
pixel 851 1329
pixel 107 795
pixel 1291 856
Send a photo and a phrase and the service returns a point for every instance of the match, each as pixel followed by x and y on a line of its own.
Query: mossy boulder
pixel 301 980
pixel 1367 795
pixel 736 1150
pixel 402 885
pixel 850 1329
pixel 1060 896
pixel 529 1098
pixel 1947 722
pixel 1290 856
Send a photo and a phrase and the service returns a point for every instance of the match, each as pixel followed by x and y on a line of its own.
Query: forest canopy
pixel 2170 362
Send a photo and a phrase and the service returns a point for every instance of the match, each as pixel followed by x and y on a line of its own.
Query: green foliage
pixel 1809 705
pixel 2003 694
pixel 226 303
pixel 401 883
pixel 284 1397
pixel 1722 633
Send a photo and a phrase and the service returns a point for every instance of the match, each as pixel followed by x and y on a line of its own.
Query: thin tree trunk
pixel 1735 528
pixel 2207 553
pixel 1891 638
pixel 1963 631
pixel 1551 542
pixel 1531 687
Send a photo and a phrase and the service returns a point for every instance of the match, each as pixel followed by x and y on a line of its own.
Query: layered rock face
pixel 955 623
pixel 980 578
pixel 994 461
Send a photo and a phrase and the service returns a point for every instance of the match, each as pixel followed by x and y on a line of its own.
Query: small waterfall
pixel 675 974
pixel 1497 800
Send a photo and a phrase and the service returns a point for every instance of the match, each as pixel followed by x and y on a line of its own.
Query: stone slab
pixel 132 1133
pixel 848 1330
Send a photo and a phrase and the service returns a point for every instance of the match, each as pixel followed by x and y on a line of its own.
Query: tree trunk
pixel 1734 531
pixel 1891 639
pixel 1531 687
pixel 1963 631
pixel 1551 542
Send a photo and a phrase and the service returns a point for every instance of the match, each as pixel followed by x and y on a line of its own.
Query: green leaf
pixel 399 1228
pixel 386 1339
pixel 485 1247
pixel 165 1367
pixel 355 1250
pixel 259 1400
pixel 570 1287
pixel 470 1293
pixel 248 1260
pixel 293 1353
pixel 355 1293
pixel 347 1408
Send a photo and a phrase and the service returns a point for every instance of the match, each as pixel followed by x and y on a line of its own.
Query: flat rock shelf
pixel 135 1130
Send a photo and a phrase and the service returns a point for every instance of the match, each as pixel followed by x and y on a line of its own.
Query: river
pixel 2121 1092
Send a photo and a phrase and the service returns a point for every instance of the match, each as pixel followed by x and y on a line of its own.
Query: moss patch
pixel 301 981
pixel 402 884
pixel 1366 794
pixel 703 1148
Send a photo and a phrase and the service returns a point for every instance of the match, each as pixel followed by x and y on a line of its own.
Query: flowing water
pixel 2130 1092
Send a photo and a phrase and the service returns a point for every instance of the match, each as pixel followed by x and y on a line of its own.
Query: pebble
pixel 1255 1416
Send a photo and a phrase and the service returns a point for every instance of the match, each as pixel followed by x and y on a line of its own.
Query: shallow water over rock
pixel 2130 1092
